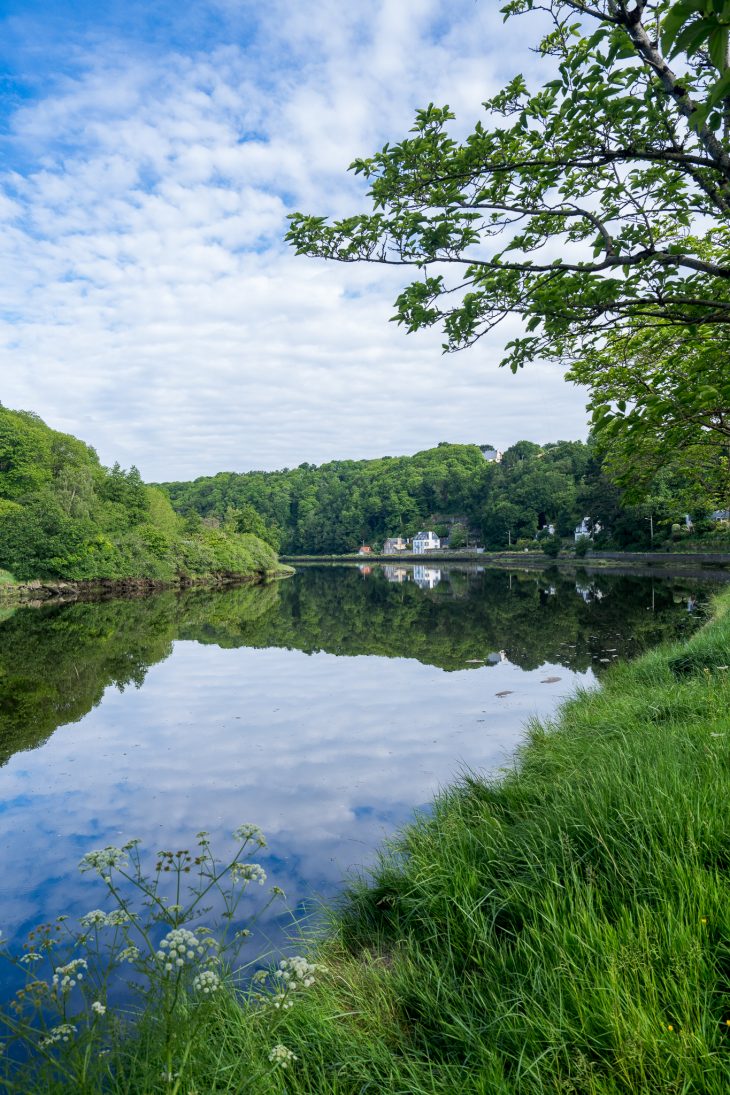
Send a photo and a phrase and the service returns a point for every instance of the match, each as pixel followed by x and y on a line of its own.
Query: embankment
pixel 41 590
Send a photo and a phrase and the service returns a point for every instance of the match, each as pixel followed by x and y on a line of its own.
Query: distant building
pixel 425 541
pixel 393 545
pixel 494 456
pixel 721 515
pixel 365 550
pixel 586 529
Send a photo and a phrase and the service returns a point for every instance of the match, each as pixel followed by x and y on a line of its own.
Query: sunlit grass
pixel 566 929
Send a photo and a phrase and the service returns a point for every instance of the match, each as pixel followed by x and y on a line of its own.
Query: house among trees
pixel 494 456
pixel 394 544
pixel 365 550
pixel 425 541
pixel 586 529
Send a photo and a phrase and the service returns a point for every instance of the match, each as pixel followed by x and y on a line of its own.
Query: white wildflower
pixel 297 972
pixel 94 919
pixel 179 947
pixel 129 954
pixel 282 1056
pixel 98 1007
pixel 250 832
pixel 31 956
pixel 61 1033
pixel 207 982
pixel 102 859
pixel 248 872
pixel 66 977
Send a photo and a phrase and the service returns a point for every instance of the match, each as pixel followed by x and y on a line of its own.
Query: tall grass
pixel 564 929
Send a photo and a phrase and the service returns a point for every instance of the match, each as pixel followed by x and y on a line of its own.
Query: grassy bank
pixel 565 929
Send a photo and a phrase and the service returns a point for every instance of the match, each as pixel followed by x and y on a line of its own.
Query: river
pixel 325 708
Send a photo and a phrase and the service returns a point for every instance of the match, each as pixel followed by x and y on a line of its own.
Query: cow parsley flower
pixel 250 832
pixel 248 872
pixel 207 982
pixel 129 954
pixel 103 860
pixel 66 977
pixel 60 1033
pixel 282 1056
pixel 179 947
pixel 98 1007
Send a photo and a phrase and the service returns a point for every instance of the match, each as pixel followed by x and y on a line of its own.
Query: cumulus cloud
pixel 149 303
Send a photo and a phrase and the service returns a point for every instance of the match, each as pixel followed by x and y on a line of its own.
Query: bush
pixel 551 545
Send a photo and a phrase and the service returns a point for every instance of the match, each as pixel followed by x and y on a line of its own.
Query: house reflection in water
pixel 396 574
pixel 426 577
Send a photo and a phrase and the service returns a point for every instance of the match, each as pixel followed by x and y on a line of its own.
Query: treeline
pixel 64 515
pixel 336 507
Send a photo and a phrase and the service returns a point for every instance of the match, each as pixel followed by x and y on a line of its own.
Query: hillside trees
pixel 63 515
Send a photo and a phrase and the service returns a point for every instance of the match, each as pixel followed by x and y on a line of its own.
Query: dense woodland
pixel 63 515
pixel 340 505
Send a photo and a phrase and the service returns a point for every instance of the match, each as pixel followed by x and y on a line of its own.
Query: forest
pixel 340 505
pixel 65 516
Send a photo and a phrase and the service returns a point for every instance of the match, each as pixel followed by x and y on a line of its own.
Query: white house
pixel 494 456
pixel 587 528
pixel 425 541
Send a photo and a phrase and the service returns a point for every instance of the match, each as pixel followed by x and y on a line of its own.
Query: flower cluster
pixel 180 946
pixel 297 974
pixel 280 1055
pixel 129 954
pixel 104 859
pixel 206 982
pixel 248 872
pixel 97 918
pixel 250 832
pixel 65 977
pixel 61 1033
pixel 98 1007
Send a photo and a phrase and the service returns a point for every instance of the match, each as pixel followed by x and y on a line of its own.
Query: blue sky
pixel 149 155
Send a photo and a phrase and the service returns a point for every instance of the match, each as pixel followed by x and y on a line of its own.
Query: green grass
pixel 565 929
pixel 6 578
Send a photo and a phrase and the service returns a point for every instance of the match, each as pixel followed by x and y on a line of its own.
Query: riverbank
pixel 565 929
pixel 671 559
pixel 39 591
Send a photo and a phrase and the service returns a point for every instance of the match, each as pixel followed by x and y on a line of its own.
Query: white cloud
pixel 151 306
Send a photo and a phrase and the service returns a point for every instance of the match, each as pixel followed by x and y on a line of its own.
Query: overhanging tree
pixel 596 204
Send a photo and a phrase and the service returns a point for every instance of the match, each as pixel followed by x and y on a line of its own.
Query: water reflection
pixel 325 709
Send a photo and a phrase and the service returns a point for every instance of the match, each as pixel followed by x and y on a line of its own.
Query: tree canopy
pixel 63 515
pixel 594 203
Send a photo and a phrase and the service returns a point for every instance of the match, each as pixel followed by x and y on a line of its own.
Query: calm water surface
pixel 325 708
